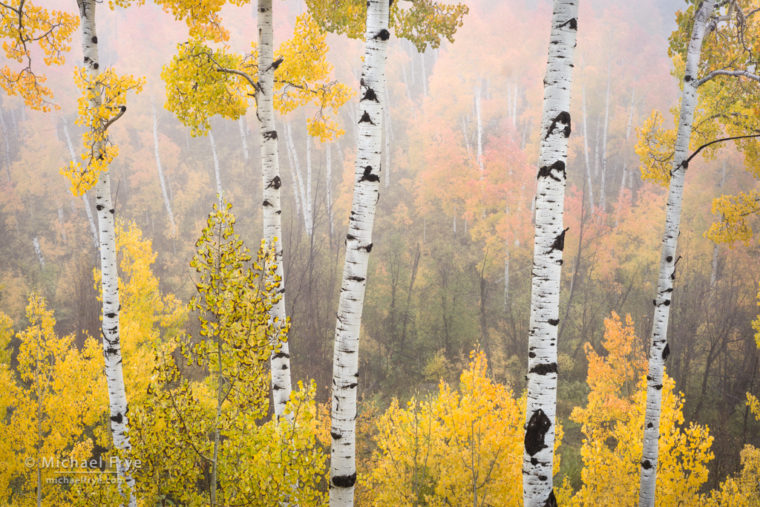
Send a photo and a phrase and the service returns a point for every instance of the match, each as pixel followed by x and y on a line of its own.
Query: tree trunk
pixel 270 170
pixel 603 184
pixel 585 154
pixel 87 208
pixel 549 242
pixel 217 175
pixel 243 137
pixel 358 247
pixel 328 188
pixel 117 395
pixel 161 179
pixel 658 347
pixel 714 270
pixel 309 207
pixel 625 157
pixel 479 127
pixel 387 140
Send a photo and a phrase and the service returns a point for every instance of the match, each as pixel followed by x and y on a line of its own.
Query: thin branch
pixel 685 163
pixel 735 73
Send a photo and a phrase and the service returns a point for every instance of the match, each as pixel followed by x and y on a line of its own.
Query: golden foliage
pixel 612 423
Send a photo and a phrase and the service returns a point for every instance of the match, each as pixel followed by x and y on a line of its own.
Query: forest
pixel 377 252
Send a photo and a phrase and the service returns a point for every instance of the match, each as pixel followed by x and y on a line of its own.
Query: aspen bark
pixel 358 247
pixel 117 395
pixel 164 193
pixel 328 188
pixel 585 154
pixel 243 137
pixel 603 184
pixel 549 242
pixel 270 170
pixel 658 345
pixel 624 177
pixel 217 175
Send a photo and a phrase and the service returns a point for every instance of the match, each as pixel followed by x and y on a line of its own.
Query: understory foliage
pixel 611 425
pixel 204 421
pixel 458 447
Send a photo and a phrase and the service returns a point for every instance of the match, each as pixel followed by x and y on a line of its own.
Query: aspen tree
pixel 547 260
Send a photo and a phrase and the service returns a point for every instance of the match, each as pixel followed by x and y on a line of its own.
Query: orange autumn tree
pixel 611 425
pixel 459 447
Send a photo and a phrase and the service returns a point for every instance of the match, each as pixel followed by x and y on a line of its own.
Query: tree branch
pixel 685 163
pixel 735 73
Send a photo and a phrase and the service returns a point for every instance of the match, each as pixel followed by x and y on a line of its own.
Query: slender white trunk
pixel 87 208
pixel 549 242
pixel 406 83
pixel 217 175
pixel 293 179
pixel 61 224
pixel 423 75
pixel 624 177
pixel 479 127
pixel 6 136
pixel 658 345
pixel 387 136
pixel 167 202
pixel 243 137
pixel 358 247
pixel 300 187
pixel 714 271
pixel 117 395
pixel 309 208
pixel 328 187
pixel 38 251
pixel 585 154
pixel 466 134
pixel 270 170
pixel 603 184
pixel 506 276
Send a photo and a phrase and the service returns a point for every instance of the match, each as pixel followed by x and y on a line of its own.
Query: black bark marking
pixel 544 369
pixel 546 171
pixel 368 176
pixel 551 501
pixel 646 464
pixel 111 351
pixel 270 134
pixel 370 95
pixel 86 59
pixel 353 385
pixel 368 248
pixel 365 118
pixel 687 78
pixel 531 355
pixel 658 386
pixel 276 387
pixel 383 35
pixel 275 183
pixel 112 211
pixel 669 258
pixel 276 63
pixel 118 419
pixel 665 352
pixel 538 425
pixel 281 355
pixel 650 425
pixel 95 65
pixel 533 461
pixel 344 481
pixel 554 322
pixel 573 22
pixel 99 207
pixel 266 203
pixel 542 478
pixel 559 241
pixel 336 436
pixel 563 118
pixel 94 39
pixel 356 278
pixel 110 315
pixel 350 237
pixel 666 302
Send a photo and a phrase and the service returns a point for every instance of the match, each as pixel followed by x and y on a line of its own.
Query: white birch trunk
pixel 291 164
pixel 270 170
pixel 243 137
pixel 300 189
pixel 658 345
pixel 479 130
pixel 161 179
pixel 714 265
pixel 309 208
pixel 423 74
pixel 387 139
pixel 328 187
pixel 624 177
pixel 217 175
pixel 585 154
pixel 117 395
pixel 358 247
pixel 87 208
pixel 603 184
pixel 38 251
pixel 549 242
